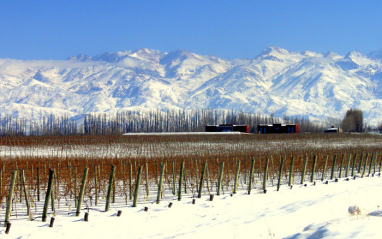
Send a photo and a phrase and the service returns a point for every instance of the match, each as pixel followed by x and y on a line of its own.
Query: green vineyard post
pixel 341 165
pixel 280 173
pixel 220 178
pixel 48 195
pixel 347 166
pixel 181 172
pixel 304 169
pixel 160 183
pixel 202 179
pixel 353 165
pixel 313 169
pixel 26 194
pixel 10 197
pixel 137 185
pixel 250 176
pixel 291 176
pixel 324 169
pixel 110 188
pixel 82 191
pixel 236 176
pixel 265 174
pixel 333 167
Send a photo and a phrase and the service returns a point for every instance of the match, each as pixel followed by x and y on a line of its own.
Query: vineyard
pixel 43 176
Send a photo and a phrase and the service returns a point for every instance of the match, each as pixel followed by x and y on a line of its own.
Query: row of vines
pixel 80 184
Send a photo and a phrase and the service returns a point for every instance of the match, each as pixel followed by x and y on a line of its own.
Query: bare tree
pixel 353 121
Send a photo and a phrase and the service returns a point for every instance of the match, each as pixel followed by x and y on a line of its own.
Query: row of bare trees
pixel 143 121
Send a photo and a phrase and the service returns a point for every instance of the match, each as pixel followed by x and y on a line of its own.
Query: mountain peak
pixel 177 55
pixel 355 54
pixel 274 50
pixel 80 57
pixel 112 57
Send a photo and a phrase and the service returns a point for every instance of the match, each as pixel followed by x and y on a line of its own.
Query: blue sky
pixel 57 29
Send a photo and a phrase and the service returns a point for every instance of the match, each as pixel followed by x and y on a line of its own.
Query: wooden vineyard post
pixel 364 164
pixel 347 166
pixel 113 186
pixel 185 180
pixel 110 188
pixel 207 180
pixel 173 178
pixel 333 167
pixel 251 176
pixel 96 185
pixel 202 179
pixel 227 174
pixel 75 187
pixel 137 184
pixel 313 169
pixel 353 165
pixel 265 174
pixel 291 176
pixel 371 163
pixel 38 184
pixel 181 171
pixel 304 169
pixel 236 176
pixel 26 195
pixel 220 178
pixel 147 179
pixel 10 196
pixel 52 193
pixel 341 165
pixel 1 185
pixel 160 183
pixel 360 164
pixel 280 173
pixel 82 191
pixel 375 163
pixel 324 169
pixel 48 195
pixel 380 164
pixel 130 181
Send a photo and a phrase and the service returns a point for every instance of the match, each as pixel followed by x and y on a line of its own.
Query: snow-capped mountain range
pixel 277 81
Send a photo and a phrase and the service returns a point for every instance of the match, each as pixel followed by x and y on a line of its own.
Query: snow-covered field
pixel 320 211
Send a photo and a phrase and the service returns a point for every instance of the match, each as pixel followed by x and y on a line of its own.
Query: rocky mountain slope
pixel 277 81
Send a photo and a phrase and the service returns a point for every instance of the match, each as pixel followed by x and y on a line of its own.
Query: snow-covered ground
pixel 312 211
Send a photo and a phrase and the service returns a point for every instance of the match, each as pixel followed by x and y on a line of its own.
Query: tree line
pixel 137 121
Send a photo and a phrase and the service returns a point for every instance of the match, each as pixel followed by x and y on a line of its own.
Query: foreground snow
pixel 302 212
